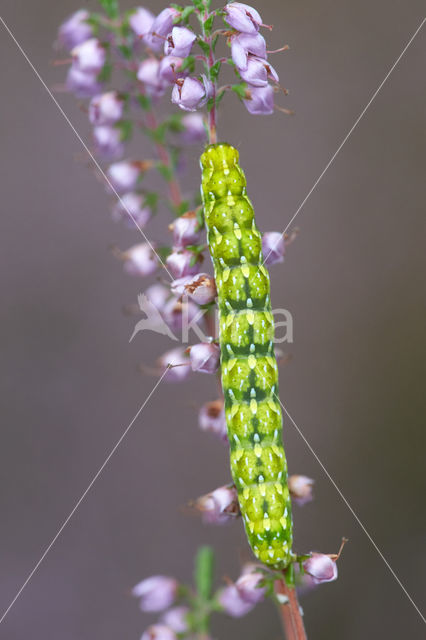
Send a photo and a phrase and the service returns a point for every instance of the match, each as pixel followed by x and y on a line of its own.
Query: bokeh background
pixel 354 282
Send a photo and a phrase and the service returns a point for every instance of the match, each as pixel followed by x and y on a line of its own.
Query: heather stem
pixel 290 612
pixel 163 154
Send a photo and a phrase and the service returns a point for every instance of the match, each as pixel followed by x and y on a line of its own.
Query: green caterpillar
pixel 248 366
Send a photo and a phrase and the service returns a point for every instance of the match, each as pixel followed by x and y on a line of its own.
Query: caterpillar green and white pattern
pixel 248 365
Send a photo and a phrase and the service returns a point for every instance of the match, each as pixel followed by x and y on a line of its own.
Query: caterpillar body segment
pixel 248 366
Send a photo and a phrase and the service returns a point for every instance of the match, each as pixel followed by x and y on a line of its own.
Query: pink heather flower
pixel 242 17
pixel 177 357
pixel 159 632
pixel 169 69
pixel 89 56
pixel 180 264
pixel 232 602
pixel 180 313
pixel 194 129
pixel 300 489
pixel 106 108
pixel 148 73
pixel 191 94
pixel 273 247
pixel 158 295
pixel 186 230
pixel 75 30
pixel 321 567
pixel 131 208
pixel 156 593
pixel 244 43
pixel 176 619
pixel 140 260
pixel 261 101
pixel 179 42
pixel 81 83
pixel 219 506
pixel 177 286
pixel 123 175
pixel 108 142
pixel 162 26
pixel 201 288
pixel 248 584
pixel 141 21
pixel 212 418
pixel 258 72
pixel 205 357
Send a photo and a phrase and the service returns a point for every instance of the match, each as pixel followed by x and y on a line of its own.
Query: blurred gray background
pixel 354 282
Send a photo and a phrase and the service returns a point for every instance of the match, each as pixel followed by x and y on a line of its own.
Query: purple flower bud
pixel 219 506
pixel 258 72
pixel 260 101
pixel 244 43
pixel 158 295
pixel 242 17
pixel 179 370
pixel 106 108
pixel 201 288
pixel 191 94
pixel 156 593
pixel 185 230
pixel 89 56
pixel 180 264
pixel 81 83
pixel 176 619
pixel 140 260
pixel 179 313
pixel 194 129
pixel 123 175
pixel 232 602
pixel 108 142
pixel 300 489
pixel 75 30
pixel 148 73
pixel 179 42
pixel 141 21
pixel 273 247
pixel 159 632
pixel 177 286
pixel 162 26
pixel 169 69
pixel 205 357
pixel 321 567
pixel 212 418
pixel 248 584
pixel 133 204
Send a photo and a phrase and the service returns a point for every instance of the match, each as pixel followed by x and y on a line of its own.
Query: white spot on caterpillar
pixel 250 304
pixel 256 437
pixel 252 392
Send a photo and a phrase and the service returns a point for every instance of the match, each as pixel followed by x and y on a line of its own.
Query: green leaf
pixel 204 46
pixel 145 102
pixel 203 575
pixel 105 73
pixel 165 171
pixel 126 129
pixel 126 51
pixel 186 13
pixel 182 208
pixel 240 90
pixel 199 4
pixel 214 71
pixel 110 7
pixel 208 25
pixel 188 63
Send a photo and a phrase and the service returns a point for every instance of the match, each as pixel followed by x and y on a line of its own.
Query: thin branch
pixel 290 612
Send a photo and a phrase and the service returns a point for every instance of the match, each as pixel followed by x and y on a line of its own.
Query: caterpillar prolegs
pixel 248 366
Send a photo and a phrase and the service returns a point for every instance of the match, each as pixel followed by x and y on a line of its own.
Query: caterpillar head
pixel 219 156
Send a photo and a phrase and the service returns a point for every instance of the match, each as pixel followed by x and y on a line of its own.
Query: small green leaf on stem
pixel 203 575
pixel 208 25
pixel 240 89
pixel 187 11
pixel 110 7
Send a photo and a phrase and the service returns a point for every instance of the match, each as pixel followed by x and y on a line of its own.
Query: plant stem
pixel 163 154
pixel 291 616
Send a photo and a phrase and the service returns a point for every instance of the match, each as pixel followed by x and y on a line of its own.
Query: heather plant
pixel 165 77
